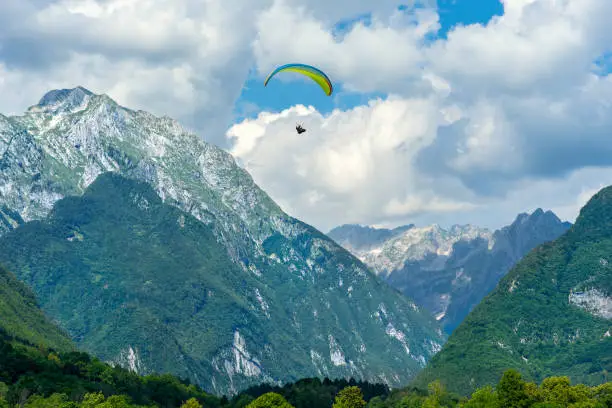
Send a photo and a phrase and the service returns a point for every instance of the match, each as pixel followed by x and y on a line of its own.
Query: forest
pixel 34 376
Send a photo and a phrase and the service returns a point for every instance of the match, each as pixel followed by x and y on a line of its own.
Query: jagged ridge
pixel 449 271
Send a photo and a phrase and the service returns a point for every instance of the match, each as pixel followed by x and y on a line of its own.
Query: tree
pixel 270 400
pixel 191 403
pixel 585 404
pixel 54 401
pixel 376 402
pixel 436 390
pixel 511 390
pixel 556 389
pixel 410 401
pixel 117 401
pixel 3 391
pixel 485 397
pixel 242 401
pixel 350 397
pixel 534 393
pixel 603 393
pixel 92 400
pixel 580 393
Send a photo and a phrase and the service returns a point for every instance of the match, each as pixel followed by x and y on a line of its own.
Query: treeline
pixel 29 375
pixel 36 377
pixel 310 392
pixel 511 392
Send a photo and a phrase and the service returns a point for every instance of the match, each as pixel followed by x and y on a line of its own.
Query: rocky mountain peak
pixel 528 231
pixel 449 271
pixel 63 100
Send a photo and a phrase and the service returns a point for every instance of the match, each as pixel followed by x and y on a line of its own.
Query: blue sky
pixel 293 90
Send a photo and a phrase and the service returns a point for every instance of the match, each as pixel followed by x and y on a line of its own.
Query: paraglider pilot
pixel 314 73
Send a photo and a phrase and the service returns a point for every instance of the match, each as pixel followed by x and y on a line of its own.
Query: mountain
pixel 449 272
pixel 550 315
pixel 22 319
pixel 40 367
pixel 359 238
pixel 211 280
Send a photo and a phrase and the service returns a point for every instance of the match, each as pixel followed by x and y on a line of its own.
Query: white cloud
pixel 420 204
pixel 492 111
pixel 330 12
pixel 356 165
pixel 184 58
pixel 367 58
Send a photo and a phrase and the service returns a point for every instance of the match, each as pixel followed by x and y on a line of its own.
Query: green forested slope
pixel 549 316
pixel 130 276
pixel 21 318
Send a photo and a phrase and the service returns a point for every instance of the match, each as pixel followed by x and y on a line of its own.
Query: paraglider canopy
pixel 313 73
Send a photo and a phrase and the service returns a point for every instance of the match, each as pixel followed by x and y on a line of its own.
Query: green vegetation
pixel 511 392
pixel 36 374
pixel 33 374
pixel 136 281
pixel 270 400
pixel 40 377
pixel 350 397
pixel 531 321
pixel 43 378
pixel 21 318
pixel 312 392
pixel 120 269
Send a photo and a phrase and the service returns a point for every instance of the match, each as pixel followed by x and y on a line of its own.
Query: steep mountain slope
pixel 295 277
pixel 22 319
pixel 449 272
pixel 550 315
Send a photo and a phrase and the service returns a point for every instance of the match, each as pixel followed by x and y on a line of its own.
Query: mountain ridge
pixel 448 271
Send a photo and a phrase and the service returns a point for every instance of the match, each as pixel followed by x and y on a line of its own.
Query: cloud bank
pixel 492 120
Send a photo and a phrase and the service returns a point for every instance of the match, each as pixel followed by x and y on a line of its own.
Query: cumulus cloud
pixel 184 58
pixel 374 57
pixel 358 164
pixel 494 110
pixel 475 128
pixel 167 56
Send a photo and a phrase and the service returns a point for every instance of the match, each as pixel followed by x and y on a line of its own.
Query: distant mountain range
pixel 550 315
pixel 448 272
pixel 154 250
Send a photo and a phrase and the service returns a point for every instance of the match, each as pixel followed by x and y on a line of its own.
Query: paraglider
pixel 313 73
